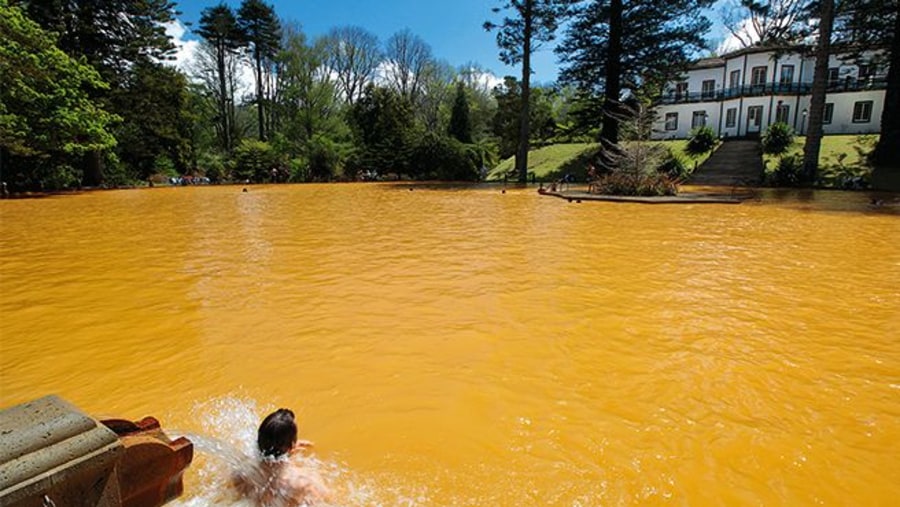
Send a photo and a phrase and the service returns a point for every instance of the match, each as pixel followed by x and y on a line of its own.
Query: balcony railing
pixel 775 88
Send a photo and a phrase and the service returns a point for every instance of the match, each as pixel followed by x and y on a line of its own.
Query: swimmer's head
pixel 277 433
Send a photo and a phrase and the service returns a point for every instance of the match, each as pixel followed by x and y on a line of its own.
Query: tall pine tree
pixel 262 31
pixel 219 28
pixel 527 25
pixel 460 124
pixel 613 46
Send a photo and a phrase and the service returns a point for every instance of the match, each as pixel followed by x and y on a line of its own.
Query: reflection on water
pixel 462 346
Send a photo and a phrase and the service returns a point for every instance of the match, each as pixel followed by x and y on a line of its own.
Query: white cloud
pixel 187 54
pixel 186 49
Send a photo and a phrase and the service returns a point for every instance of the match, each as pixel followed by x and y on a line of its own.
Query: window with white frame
pixel 787 74
pixel 783 113
pixel 681 90
pixel 671 121
pixel 834 75
pixel 734 79
pixel 699 119
pixel 862 111
pixel 708 89
pixel 758 76
pixel 828 113
pixel 730 117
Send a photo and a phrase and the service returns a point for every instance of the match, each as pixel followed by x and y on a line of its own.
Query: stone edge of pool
pixel 669 199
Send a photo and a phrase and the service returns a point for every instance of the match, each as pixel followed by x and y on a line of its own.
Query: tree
pixel 46 113
pixel 219 28
pixel 506 120
pixel 432 104
pixel 307 94
pixel 157 122
pixel 382 122
pixel 408 58
pixel 817 94
pixel 113 36
pixel 353 55
pixel 262 32
pixel 769 22
pixel 460 125
pixel 876 24
pixel 530 23
pixel 616 45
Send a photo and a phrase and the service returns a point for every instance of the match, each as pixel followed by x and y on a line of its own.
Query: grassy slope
pixel 832 148
pixel 552 162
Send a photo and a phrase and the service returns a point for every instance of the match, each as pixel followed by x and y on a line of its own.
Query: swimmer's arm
pixel 304 444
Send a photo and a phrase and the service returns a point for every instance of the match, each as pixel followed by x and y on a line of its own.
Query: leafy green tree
pixel 219 28
pixel 157 117
pixel 113 36
pixel 382 123
pixel 432 105
pixel 262 32
pixel 443 158
pixel 255 161
pixel 615 45
pixel 308 103
pixel 529 24
pixel 460 124
pixel 47 115
pixel 506 124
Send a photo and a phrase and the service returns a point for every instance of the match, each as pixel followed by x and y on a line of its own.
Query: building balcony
pixel 775 88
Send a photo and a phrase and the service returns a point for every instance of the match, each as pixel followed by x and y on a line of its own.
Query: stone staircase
pixel 737 162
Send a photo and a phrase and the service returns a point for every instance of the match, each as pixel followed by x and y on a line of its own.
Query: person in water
pixel 276 481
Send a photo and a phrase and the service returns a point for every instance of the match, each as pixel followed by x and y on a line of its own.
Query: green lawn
pixel 835 150
pixel 554 161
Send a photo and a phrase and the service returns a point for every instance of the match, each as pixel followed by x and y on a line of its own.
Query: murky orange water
pixel 453 346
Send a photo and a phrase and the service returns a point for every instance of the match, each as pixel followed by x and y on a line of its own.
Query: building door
pixel 754 120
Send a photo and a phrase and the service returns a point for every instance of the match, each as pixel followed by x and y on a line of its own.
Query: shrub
pixel 788 173
pixel 674 165
pixel 642 184
pixel 702 141
pixel 254 161
pixel 212 166
pixel 444 158
pixel 324 158
pixel 778 139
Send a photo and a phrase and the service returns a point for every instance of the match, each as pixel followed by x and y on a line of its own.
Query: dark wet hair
pixel 277 433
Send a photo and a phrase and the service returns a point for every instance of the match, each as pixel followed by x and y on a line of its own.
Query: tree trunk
pixel 887 151
pixel 93 169
pixel 817 100
pixel 259 95
pixel 609 133
pixel 223 97
pixel 525 114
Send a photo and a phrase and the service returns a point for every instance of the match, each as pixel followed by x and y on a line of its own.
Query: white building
pixel 741 93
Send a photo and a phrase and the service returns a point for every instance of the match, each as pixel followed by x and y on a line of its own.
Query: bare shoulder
pixel 307 485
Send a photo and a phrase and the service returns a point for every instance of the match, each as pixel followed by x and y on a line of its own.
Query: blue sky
pixel 453 28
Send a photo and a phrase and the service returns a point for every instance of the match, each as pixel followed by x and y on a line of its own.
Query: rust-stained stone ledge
pixel 686 198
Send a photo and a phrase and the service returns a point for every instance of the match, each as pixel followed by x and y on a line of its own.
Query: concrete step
pixel 735 163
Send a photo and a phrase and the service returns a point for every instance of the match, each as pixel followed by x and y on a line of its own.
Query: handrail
pixel 773 88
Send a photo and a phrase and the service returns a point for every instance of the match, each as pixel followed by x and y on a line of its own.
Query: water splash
pixel 225 445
